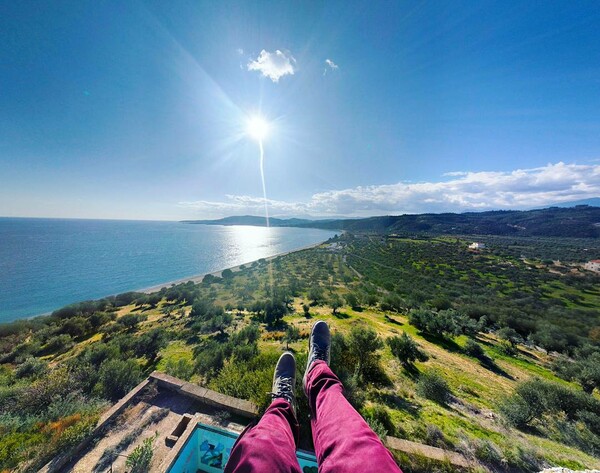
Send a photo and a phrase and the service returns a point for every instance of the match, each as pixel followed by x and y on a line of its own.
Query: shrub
pixel 292 334
pixel 362 345
pixel 31 368
pixel 306 310
pixel 517 411
pixel 39 394
pixel 433 386
pixel 381 416
pixel 139 460
pixel 392 302
pixel 589 373
pixel 150 343
pixel 335 302
pixel 210 358
pixel 378 428
pixel 434 436
pixel 510 335
pixel 59 344
pixel 406 349
pixel 534 398
pixel 131 321
pixel 439 323
pixel 76 326
pixel 474 349
pixel 117 377
pixel 182 369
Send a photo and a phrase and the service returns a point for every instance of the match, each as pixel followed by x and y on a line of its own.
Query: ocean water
pixel 48 263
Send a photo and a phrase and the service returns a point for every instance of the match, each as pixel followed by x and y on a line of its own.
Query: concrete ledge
pixel 427 451
pixel 164 380
pixel 171 457
pixel 59 462
pixel 209 397
pixel 120 405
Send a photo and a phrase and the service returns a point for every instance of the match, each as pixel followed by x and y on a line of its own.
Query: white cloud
pixel 240 51
pixel 464 191
pixel 331 66
pixel 273 65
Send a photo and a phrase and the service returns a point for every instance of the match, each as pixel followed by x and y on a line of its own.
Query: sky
pixel 139 110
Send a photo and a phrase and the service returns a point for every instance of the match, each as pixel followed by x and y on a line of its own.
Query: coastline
pixel 198 277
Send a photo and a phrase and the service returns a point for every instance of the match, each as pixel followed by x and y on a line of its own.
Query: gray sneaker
pixel 319 345
pixel 284 378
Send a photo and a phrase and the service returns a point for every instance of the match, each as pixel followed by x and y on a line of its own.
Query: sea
pixel 46 264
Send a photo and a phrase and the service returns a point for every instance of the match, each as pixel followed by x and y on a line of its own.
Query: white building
pixel 593 265
pixel 477 246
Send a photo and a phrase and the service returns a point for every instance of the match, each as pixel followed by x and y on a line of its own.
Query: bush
pixel 31 368
pixel 379 415
pixel 182 369
pixel 406 349
pixel 36 397
pixel 76 326
pixel 439 323
pixel 474 349
pixel 131 321
pixel 433 386
pixel 510 335
pixel 589 373
pixel 117 377
pixel 362 345
pixel 517 411
pixel 150 343
pixel 210 358
pixel 534 398
pixel 139 460
pixel 59 344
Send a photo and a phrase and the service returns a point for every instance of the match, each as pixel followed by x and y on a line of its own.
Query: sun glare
pixel 258 128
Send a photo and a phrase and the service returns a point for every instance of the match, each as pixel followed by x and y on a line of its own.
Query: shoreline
pixel 197 278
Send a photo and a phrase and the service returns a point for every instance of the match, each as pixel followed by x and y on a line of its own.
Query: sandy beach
pixel 198 277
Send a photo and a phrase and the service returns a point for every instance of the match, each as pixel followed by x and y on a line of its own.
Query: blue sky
pixel 138 109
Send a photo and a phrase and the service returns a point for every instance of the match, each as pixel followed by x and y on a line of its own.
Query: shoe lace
pixel 319 353
pixel 285 388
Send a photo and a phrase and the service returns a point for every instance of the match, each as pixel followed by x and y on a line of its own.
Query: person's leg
pixel 344 442
pixel 270 445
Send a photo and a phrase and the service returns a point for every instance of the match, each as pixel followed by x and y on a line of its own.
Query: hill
pixel 576 222
pixel 594 202
pixel 434 342
pixel 581 221
pixel 252 220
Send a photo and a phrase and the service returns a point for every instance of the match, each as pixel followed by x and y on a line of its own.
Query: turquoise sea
pixel 48 263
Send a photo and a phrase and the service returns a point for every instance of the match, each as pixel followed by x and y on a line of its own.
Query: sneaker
pixel 319 345
pixel 284 378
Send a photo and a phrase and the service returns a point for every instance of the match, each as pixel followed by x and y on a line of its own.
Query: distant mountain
pixel 254 221
pixel 581 221
pixel 594 202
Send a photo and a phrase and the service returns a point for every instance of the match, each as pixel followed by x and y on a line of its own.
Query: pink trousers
pixel 344 442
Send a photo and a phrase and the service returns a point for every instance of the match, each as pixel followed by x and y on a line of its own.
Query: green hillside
pixel 582 221
pixel 489 353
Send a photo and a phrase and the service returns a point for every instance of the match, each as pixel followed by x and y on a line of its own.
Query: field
pixel 476 329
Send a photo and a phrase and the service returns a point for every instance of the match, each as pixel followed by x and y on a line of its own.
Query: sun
pixel 257 128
